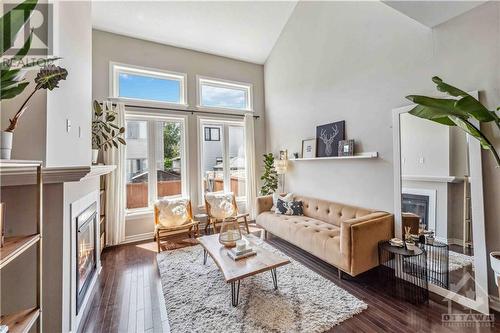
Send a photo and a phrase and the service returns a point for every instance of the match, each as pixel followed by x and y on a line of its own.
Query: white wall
pixel 356 61
pixel 111 47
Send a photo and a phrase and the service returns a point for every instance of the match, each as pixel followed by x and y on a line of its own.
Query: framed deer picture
pixel 328 137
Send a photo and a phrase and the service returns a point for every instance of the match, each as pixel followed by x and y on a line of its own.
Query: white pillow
pixel 172 212
pixel 221 204
pixel 287 198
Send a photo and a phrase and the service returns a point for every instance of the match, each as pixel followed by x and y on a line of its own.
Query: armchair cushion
pixel 221 205
pixel 173 212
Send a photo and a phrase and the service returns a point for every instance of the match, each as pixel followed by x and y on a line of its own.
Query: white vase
pixel 95 154
pixel 6 145
pixel 495 264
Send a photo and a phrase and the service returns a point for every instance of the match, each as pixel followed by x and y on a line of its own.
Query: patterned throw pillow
pixel 285 197
pixel 289 207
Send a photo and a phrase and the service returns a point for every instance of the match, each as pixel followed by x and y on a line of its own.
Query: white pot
pixel 495 264
pixel 6 145
pixel 95 153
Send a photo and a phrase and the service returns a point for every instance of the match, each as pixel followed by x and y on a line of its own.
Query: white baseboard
pixel 138 237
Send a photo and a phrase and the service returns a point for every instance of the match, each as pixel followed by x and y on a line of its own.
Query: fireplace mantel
pixel 51 175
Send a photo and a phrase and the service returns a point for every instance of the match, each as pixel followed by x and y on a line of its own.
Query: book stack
pixel 236 254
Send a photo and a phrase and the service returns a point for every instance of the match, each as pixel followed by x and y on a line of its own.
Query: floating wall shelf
pixel 372 154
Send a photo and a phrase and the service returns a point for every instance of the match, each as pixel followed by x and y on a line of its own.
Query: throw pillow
pixel 289 207
pixel 221 204
pixel 172 212
pixel 287 197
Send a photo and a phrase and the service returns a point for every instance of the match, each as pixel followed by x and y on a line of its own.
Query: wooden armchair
pixel 213 218
pixel 174 218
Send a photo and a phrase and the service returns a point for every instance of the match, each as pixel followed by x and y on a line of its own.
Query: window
pixel 223 162
pixel 155 160
pixel 224 94
pixel 137 83
pixel 212 133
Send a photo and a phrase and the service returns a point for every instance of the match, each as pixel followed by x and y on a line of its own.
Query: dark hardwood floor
pixel 129 298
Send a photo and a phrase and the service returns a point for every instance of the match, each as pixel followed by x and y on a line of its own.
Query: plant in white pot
pixel 458 111
pixel 13 68
pixel 105 133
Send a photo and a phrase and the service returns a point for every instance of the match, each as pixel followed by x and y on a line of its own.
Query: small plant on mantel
pixel 105 133
pixel 270 177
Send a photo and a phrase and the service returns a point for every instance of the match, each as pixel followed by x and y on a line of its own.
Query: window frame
pixel 151 119
pixel 202 121
pixel 221 83
pixel 115 68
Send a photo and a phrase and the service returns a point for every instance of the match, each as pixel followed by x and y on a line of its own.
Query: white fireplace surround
pixel 432 195
pixel 76 208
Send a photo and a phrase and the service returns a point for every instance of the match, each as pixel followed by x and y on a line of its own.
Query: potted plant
pixel 13 69
pixel 270 176
pixel 458 111
pixel 105 133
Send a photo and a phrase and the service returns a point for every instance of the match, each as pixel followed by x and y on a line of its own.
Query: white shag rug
pixel 459 260
pixel 199 300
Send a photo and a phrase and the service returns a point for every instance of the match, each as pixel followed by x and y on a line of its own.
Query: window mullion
pixel 152 174
pixel 225 158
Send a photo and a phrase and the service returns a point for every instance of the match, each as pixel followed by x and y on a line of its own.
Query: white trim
pixel 479 237
pixel 246 87
pixel 432 194
pixel 435 179
pixel 115 68
pixel 138 237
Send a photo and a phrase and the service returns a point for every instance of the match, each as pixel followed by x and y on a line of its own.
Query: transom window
pixel 137 83
pixel 221 94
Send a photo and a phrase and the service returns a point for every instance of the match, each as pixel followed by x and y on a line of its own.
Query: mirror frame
pixel 481 303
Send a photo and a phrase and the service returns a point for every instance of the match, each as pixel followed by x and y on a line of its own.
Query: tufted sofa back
pixel 331 212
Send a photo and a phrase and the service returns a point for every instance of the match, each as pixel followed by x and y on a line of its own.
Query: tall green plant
pixel 458 111
pixel 270 177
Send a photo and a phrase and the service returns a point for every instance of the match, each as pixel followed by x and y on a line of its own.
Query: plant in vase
pixel 13 68
pixel 459 111
pixel 105 133
pixel 270 176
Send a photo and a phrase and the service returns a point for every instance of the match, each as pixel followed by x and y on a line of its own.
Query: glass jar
pixel 229 232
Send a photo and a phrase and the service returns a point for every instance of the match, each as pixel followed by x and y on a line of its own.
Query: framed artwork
pixel 309 148
pixel 328 137
pixel 212 133
pixel 283 154
pixel 346 147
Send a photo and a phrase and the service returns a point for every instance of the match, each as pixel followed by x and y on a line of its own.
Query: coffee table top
pixel 233 270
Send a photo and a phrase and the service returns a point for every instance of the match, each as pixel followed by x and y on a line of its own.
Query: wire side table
pixel 437 263
pixel 403 273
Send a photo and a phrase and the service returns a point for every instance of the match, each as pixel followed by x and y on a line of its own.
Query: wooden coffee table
pixel 235 271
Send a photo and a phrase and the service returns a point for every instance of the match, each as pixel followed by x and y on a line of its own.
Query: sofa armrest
pixel 359 240
pixel 264 203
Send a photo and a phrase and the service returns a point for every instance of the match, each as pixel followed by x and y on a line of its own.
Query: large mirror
pixel 438 193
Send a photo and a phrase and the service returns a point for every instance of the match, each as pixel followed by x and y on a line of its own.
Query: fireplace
pixel 85 252
pixel 417 204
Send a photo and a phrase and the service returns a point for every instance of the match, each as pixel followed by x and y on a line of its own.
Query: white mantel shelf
pixel 433 179
pixel 26 175
pixel 366 155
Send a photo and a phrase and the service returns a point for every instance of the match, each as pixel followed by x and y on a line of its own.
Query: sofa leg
pixel 339 273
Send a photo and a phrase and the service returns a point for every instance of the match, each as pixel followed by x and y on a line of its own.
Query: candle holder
pixel 229 232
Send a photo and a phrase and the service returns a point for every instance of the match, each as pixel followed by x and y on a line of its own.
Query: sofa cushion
pixel 330 212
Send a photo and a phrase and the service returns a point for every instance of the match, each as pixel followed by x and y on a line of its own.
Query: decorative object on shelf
pixel 328 137
pixel 283 154
pixel 295 155
pixel 2 223
pixel 495 265
pixel 309 148
pixel 270 177
pixel 396 242
pixel 105 133
pixel 346 148
pixel 47 78
pixel 399 266
pixel 457 111
pixel 281 167
pixel 229 232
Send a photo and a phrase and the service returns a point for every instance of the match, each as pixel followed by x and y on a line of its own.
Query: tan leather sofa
pixel 344 236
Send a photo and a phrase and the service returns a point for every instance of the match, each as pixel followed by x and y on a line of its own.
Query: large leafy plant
pixel 460 110
pixel 270 177
pixel 105 133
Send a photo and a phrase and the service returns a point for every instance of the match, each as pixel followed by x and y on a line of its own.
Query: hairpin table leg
pixel 205 254
pixel 274 274
pixel 235 292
